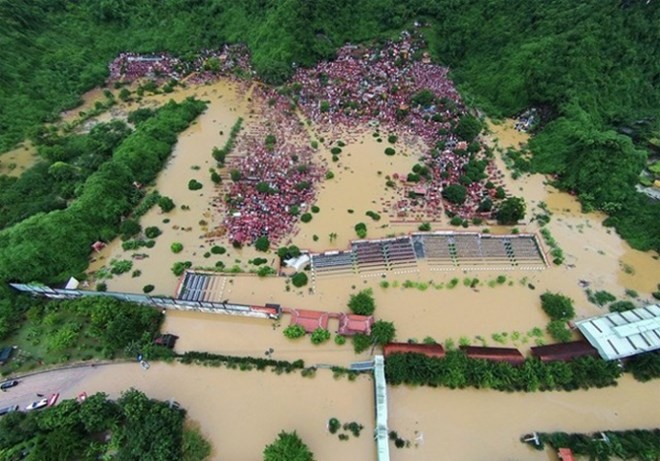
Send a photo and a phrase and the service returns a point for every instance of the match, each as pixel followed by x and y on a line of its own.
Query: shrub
pixel 218 250
pixel 340 340
pixel 215 177
pixel 383 332
pixel 455 193
pixel 499 193
pixel 601 297
pixel 265 271
pixel 152 232
pixel 179 267
pixel 262 243
pixel 235 175
pixel 294 331
pixel 320 336
pixel 361 343
pixel 511 211
pixel 148 288
pixel 390 151
pixel 373 215
pixel 456 221
pixel 102 286
pixel 558 307
pixel 392 138
pixel 176 247
pixel 361 230
pixel 194 185
pixel 129 228
pixel 425 227
pixel 120 266
pixel 362 303
pixel 299 279
pixel 315 209
pixel 621 306
pixel 558 330
pixel 335 150
pixel 333 425
pixel 329 175
pixel 306 217
pixel 166 204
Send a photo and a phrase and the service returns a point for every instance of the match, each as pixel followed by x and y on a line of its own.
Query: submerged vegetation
pixel 598 103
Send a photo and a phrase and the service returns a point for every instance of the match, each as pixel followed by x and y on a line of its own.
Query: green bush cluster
pixel 71 430
pixel 457 371
pixel 639 444
pixel 245 363
pixel 299 279
pixel 294 331
pixel 220 154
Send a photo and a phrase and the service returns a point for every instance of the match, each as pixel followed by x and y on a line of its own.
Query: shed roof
pixel 623 334
pixel 430 350
pixel 498 354
pixel 564 351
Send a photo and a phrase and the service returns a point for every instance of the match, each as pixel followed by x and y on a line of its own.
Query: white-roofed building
pixel 623 334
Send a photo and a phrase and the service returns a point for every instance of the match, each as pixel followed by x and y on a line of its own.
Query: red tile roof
pixel 309 320
pixel 351 324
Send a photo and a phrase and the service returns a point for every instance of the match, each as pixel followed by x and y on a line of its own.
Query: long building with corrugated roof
pixel 623 334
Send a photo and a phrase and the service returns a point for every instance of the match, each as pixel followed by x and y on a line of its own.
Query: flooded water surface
pixel 240 412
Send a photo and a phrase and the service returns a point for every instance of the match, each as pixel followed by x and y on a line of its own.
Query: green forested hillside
pixel 592 66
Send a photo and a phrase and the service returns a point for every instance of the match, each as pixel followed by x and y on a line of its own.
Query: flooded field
pixel 421 303
pixel 16 161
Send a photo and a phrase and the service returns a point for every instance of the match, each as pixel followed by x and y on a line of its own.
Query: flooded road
pixel 241 412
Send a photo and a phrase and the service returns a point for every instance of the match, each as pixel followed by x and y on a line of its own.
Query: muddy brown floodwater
pixel 241 412
pixel 16 161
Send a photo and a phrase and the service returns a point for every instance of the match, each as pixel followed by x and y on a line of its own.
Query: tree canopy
pixel 511 210
pixel 288 447
pixel 362 303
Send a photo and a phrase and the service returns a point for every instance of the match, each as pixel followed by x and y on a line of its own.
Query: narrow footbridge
pixel 381 433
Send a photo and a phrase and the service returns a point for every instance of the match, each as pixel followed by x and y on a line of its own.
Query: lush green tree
pixel 288 447
pixel 557 306
pixel 383 332
pixel 262 244
pixel 294 331
pixel 511 210
pixel 455 193
pixel 468 128
pixel 362 303
pixel 299 279
pixel 320 336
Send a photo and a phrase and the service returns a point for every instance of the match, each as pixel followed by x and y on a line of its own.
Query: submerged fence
pixel 271 311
